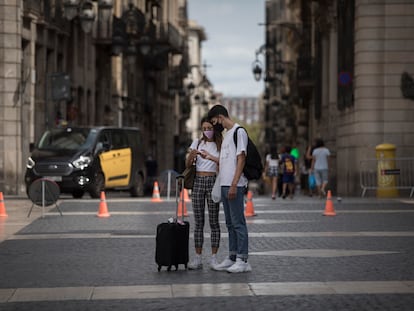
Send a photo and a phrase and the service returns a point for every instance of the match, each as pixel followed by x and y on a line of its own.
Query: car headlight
pixel 30 163
pixel 82 162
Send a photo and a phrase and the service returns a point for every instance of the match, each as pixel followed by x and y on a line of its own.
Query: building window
pixel 346 18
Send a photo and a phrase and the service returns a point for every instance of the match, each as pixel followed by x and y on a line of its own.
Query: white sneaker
pixel 240 266
pixel 213 261
pixel 226 263
pixel 196 264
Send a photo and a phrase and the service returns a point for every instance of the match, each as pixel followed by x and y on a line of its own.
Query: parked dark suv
pixel 90 160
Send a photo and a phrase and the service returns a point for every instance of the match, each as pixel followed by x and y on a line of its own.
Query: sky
pixel 233 36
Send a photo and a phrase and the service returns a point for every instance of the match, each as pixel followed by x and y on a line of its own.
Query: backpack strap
pixel 235 134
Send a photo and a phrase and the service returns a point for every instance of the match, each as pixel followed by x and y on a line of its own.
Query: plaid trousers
pixel 200 194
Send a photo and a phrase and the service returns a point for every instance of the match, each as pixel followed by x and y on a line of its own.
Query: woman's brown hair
pixel 218 137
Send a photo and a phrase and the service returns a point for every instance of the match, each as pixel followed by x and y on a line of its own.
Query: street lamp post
pixel 84 9
pixel 273 70
pixel 274 87
pixel 257 69
pixel 286 96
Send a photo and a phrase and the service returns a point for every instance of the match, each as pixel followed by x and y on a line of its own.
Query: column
pixel 10 97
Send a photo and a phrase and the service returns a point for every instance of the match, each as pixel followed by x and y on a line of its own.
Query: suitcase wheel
pixel 169 268
pixel 159 268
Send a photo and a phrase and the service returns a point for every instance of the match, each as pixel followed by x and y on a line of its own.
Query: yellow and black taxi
pixel 89 159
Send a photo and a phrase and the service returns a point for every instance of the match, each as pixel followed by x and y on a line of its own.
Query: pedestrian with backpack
pixel 289 172
pixel 233 186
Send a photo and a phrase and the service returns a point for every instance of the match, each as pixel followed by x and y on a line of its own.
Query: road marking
pixel 128 235
pixel 321 253
pixel 289 211
pixel 271 221
pixel 205 290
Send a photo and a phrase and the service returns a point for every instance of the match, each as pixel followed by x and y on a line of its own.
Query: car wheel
pixel 137 189
pixel 77 194
pixel 97 186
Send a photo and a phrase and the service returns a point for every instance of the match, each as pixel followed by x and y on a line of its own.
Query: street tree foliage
pixel 255 131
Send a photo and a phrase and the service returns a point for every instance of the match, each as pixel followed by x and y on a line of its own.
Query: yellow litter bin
pixel 386 171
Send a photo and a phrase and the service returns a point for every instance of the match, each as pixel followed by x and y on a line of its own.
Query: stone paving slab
pixel 86 262
pixel 122 264
pixel 210 290
pixel 396 302
pixel 278 296
pixel 288 222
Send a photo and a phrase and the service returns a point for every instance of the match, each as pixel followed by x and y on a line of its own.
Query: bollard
pixel 386 171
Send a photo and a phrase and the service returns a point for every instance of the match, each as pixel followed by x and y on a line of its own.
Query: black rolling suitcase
pixel 172 237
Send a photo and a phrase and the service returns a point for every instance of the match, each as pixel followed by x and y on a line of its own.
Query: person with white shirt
pixel 233 187
pixel 272 168
pixel 320 166
pixel 205 153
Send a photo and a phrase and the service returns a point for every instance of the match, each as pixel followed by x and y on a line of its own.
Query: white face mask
pixel 209 134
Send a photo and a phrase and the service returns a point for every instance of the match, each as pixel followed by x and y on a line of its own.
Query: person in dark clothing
pixel 289 172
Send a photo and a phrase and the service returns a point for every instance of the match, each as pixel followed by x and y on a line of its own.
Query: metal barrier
pixel 391 173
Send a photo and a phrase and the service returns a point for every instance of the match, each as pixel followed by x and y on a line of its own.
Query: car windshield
pixel 67 138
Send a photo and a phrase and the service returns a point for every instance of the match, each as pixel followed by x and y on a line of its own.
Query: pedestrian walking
pixel 288 163
pixel 320 166
pixel 205 153
pixel 310 177
pixel 280 172
pixel 272 168
pixel 233 188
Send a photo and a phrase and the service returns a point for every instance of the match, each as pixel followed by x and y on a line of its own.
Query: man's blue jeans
pixel 236 223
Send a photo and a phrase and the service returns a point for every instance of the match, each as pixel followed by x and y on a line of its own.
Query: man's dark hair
pixel 319 143
pixel 217 110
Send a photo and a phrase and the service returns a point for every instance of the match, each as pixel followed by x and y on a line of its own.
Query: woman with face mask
pixel 206 153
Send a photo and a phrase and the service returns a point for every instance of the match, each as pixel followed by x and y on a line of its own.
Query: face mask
pixel 209 134
pixel 218 127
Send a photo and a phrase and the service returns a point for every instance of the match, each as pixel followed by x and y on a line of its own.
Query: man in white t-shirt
pixel 320 166
pixel 233 185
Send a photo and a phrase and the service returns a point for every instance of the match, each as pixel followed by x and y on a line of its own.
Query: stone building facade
pixel 54 73
pixel 347 61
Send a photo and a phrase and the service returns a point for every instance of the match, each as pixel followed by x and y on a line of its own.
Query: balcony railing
pixel 169 35
pixel 40 8
pixel 46 12
pixel 305 71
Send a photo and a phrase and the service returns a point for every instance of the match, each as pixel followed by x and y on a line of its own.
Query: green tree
pixel 255 130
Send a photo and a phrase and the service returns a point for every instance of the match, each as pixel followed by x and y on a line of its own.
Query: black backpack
pixel 253 167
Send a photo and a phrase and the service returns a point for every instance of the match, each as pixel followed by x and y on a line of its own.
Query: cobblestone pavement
pixel 360 259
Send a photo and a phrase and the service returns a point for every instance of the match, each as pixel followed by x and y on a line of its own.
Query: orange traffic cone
pixel 156 193
pixel 103 208
pixel 329 208
pixel 186 196
pixel 182 206
pixel 2 207
pixel 249 209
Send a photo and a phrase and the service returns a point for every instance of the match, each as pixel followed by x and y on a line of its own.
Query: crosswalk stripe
pixel 207 235
pixel 205 290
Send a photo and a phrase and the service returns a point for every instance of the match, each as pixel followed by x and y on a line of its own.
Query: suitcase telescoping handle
pixel 179 195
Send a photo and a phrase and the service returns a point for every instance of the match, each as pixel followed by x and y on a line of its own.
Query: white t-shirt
pixel 321 155
pixel 205 165
pixel 228 156
pixel 272 162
